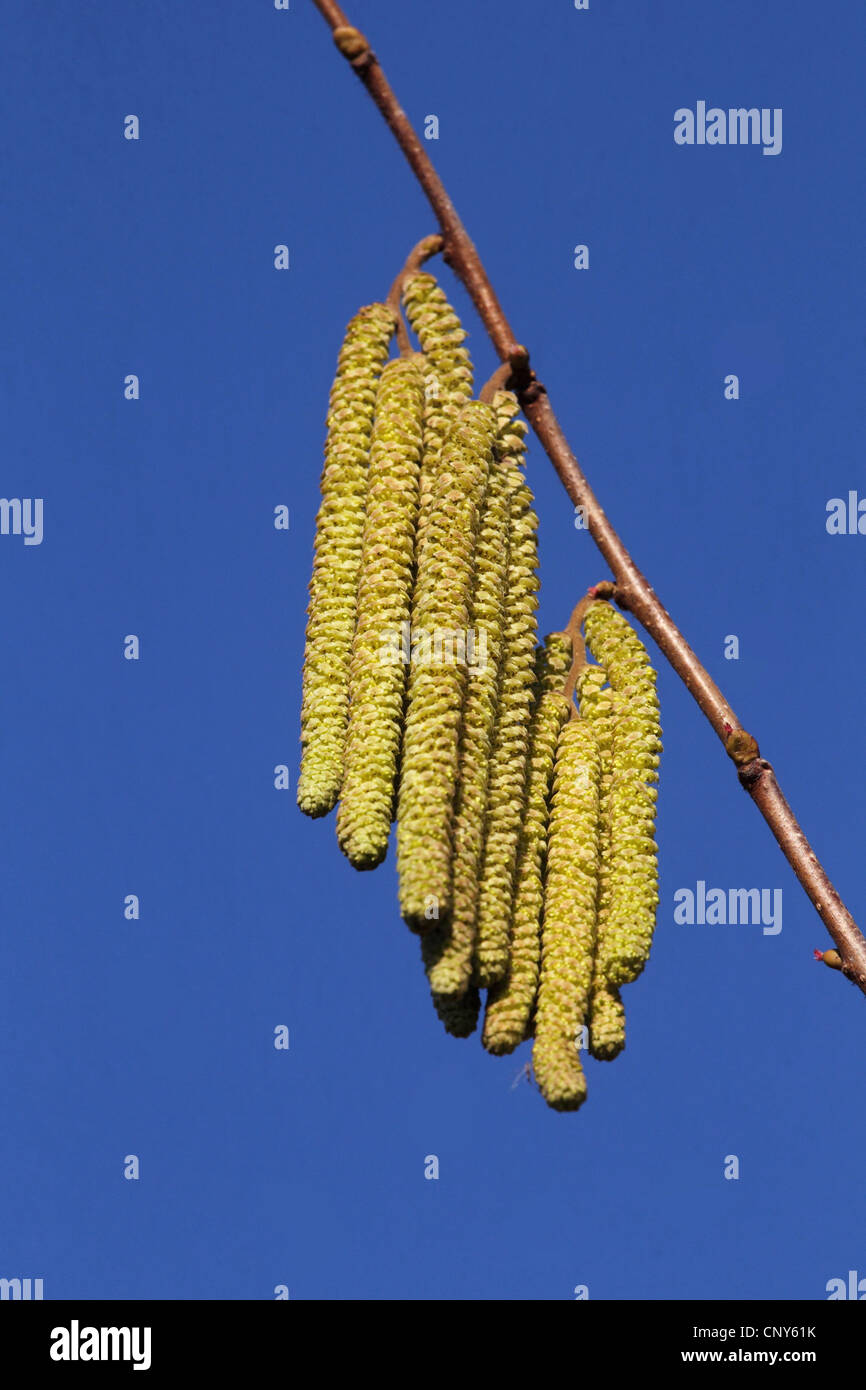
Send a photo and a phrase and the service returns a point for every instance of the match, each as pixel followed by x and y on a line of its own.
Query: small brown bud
pixel 350 41
pixel 606 589
pixel 741 747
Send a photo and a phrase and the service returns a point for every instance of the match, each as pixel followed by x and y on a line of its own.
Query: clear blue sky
pixel 155 777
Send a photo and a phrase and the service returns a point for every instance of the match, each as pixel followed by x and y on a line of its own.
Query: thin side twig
pixel 427 247
pixel 632 590
pixel 578 646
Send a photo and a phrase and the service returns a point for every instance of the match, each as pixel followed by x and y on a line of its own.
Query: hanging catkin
pixel 377 675
pixel 568 929
pixel 600 705
pixel 448 949
pixel 509 1004
pixel 510 430
pixel 437 678
pixel 507 776
pixel 459 1013
pixel 606 1021
pixel 337 558
pixel 448 377
pixel 632 859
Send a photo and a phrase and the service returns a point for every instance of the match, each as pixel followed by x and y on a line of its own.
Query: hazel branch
pixel 632 590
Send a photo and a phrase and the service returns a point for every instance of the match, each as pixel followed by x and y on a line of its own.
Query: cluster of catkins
pixel 525 821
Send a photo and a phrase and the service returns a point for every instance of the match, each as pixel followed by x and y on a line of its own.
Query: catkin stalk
pixel 377 675
pixel 337 559
pixel 568 931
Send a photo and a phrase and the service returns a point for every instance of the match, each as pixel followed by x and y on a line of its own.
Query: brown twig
pixel 632 590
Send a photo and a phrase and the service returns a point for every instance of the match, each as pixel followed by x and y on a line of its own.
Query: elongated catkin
pixel 459 1012
pixel 377 675
pixel 632 854
pixel 448 949
pixel 600 705
pixel 448 373
pixel 437 679
pixel 507 776
pixel 509 1003
pixel 337 558
pixel 568 929
pixel 606 1021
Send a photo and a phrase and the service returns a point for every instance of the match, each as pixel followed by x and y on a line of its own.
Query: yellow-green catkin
pixel 600 705
pixel 510 430
pixel 507 775
pixel 448 375
pixel 509 1004
pixel 632 857
pixel 448 949
pixel 606 1021
pixel 339 536
pixel 568 928
pixel 459 1013
pixel 437 677
pixel 377 675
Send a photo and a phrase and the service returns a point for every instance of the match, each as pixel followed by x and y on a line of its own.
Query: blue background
pixel 156 777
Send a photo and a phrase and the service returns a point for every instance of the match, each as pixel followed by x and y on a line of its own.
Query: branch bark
pixel 631 590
